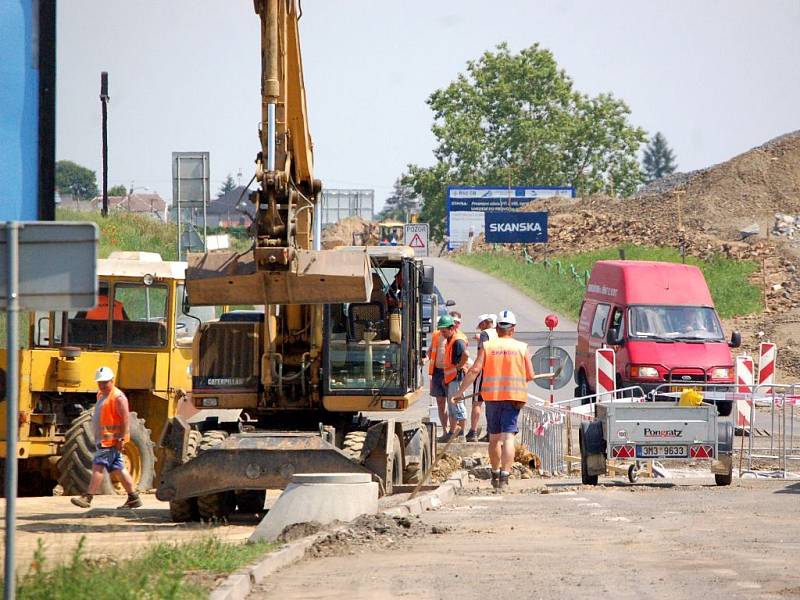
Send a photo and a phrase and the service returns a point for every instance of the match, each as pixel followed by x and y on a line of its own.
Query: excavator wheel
pixel 415 471
pixel 184 510
pixel 353 445
pixel 218 505
pixel 75 464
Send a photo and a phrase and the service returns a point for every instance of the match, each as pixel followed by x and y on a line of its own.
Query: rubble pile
pixel 786 225
pixel 352 231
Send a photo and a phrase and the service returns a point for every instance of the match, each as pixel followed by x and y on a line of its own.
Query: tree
pixel 659 160
pixel 518 116
pixel 401 203
pixel 72 178
pixel 227 186
pixel 118 190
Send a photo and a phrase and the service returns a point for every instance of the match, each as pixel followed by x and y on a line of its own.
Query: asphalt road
pixel 669 541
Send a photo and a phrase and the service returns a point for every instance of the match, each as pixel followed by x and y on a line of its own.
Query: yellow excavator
pixel 318 377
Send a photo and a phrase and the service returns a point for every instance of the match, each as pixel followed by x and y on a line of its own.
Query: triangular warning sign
pixel 416 242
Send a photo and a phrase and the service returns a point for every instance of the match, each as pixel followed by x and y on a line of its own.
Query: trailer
pixel 640 431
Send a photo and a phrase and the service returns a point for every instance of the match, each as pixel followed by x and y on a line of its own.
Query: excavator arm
pixel 283 267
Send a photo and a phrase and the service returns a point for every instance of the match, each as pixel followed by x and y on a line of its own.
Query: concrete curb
pixel 239 584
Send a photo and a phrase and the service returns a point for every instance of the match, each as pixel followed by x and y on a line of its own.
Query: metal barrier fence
pixel 542 429
pixel 778 445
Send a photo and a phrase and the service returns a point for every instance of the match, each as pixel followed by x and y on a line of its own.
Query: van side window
pixel 600 320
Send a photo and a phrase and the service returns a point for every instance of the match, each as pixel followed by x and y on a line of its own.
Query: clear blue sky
pixel 717 77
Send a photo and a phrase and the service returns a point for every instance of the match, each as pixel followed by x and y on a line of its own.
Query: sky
pixel 717 77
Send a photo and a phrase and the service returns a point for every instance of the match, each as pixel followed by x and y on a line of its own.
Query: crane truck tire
pixel 75 464
pixel 185 510
pixel 219 505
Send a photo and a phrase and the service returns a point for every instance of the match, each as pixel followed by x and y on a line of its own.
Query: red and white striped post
pixel 605 361
pixel 744 385
pixel 767 355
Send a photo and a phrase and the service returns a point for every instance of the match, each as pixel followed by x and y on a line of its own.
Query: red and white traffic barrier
pixel 744 385
pixel 605 373
pixel 767 355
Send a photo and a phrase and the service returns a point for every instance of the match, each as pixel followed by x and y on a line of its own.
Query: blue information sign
pixel 515 227
pixel 467 206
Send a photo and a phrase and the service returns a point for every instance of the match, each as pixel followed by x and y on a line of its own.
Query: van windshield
pixel 674 323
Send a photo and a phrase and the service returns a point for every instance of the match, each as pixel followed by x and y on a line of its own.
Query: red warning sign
pixel 416 242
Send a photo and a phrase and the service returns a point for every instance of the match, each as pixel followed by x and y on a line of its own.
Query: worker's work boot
pixel 495 479
pixel 133 501
pixel 502 484
pixel 84 500
pixel 472 436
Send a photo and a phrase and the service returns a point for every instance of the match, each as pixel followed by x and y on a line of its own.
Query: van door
pixel 597 335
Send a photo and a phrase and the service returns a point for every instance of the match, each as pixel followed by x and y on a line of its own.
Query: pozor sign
pixel 515 227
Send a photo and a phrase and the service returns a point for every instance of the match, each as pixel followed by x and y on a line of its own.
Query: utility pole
pixel 104 102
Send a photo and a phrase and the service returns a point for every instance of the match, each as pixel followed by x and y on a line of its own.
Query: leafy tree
pixel 227 186
pixel 72 178
pixel 659 160
pixel 518 116
pixel 118 190
pixel 401 203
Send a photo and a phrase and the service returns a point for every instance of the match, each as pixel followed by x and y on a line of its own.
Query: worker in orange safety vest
pixel 506 366
pixel 111 424
pixel 445 368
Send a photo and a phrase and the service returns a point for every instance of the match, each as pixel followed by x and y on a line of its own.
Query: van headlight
pixel 722 373
pixel 644 372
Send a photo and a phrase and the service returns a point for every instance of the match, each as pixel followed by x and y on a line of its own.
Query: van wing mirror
pixel 613 337
pixel 450 303
pixel 427 279
pixel 736 340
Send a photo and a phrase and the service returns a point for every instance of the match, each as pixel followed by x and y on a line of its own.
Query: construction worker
pixel 455 360
pixel 100 312
pixel 506 367
pixel 111 424
pixel 486 332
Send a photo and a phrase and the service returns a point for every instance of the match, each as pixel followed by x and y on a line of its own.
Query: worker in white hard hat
pixel 111 424
pixel 486 331
pixel 506 368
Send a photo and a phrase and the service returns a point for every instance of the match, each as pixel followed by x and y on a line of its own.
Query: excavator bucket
pixel 308 277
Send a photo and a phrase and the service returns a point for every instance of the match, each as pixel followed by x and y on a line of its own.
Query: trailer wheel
pixel 394 466
pixel 218 505
pixel 75 464
pixel 185 510
pixel 633 474
pixel 586 479
pixel 353 444
pixel 725 479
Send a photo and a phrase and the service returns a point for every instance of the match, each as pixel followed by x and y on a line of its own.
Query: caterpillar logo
pixel 515 228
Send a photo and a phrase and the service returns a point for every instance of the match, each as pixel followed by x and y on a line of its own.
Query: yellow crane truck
pixel 300 385
pixel 139 329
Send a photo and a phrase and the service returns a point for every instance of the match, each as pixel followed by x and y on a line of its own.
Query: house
pixel 150 204
pixel 224 210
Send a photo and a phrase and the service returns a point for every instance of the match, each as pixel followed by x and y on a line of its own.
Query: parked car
pixel 661 322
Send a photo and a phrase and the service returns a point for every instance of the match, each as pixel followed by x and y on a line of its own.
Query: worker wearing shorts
pixel 506 367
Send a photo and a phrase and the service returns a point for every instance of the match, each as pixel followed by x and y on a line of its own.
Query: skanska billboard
pixel 467 206
pixel 515 227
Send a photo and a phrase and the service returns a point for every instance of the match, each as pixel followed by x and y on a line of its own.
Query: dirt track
pixel 687 539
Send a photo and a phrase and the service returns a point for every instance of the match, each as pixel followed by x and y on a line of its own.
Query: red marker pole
pixel 551 322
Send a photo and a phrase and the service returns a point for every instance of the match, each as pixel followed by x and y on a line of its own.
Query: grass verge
pixel 170 571
pixel 728 280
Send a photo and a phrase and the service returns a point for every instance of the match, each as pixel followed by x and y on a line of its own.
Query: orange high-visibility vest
pixel 111 423
pixel 100 312
pixel 450 370
pixel 505 370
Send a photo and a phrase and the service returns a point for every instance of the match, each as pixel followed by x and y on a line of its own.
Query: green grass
pixel 728 280
pixel 159 573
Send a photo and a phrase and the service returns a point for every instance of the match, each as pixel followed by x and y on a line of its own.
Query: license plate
pixel 662 451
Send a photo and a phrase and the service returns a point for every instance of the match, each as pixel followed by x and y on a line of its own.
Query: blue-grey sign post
pixel 43 266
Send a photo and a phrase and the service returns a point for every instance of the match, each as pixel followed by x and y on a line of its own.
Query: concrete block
pixel 236 587
pixel 320 497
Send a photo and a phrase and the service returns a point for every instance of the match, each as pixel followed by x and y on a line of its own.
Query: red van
pixel 660 320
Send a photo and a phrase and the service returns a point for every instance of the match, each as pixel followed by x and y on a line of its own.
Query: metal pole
pixel 205 196
pixel 178 204
pixel 104 103
pixel 12 401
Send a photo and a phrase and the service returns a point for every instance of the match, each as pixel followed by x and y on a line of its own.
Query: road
pixel 687 539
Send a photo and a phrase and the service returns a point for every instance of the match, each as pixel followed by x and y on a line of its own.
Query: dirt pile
pixel 369 532
pixel 446 464
pixel 352 231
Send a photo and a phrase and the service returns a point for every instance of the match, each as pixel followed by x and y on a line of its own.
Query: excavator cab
pixel 371 348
